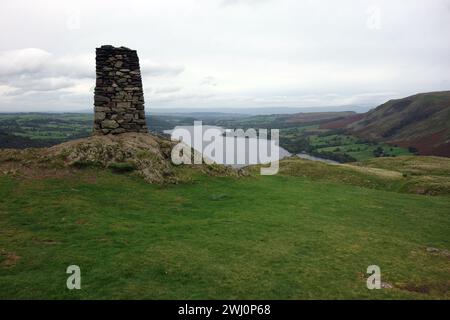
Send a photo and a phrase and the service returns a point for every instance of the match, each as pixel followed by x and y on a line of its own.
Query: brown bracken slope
pixel 421 121
pixel 305 117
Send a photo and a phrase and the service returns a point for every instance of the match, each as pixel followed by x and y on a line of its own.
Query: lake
pixel 236 151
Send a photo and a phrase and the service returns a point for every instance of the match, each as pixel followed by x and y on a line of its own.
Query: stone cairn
pixel 119 98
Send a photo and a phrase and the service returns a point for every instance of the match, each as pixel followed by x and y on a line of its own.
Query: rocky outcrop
pixel 146 154
pixel 142 154
pixel 119 98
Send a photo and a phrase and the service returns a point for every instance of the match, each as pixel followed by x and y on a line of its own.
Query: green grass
pixel 359 149
pixel 334 139
pixel 405 174
pixel 264 237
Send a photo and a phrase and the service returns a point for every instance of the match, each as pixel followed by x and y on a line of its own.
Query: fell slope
pixel 421 121
pixel 307 117
pixel 405 174
pixel 262 237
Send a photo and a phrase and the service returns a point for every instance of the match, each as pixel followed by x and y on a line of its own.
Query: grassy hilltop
pixel 140 227
pixel 296 235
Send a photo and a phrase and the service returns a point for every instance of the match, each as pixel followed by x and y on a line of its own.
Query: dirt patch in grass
pixel 426 288
pixel 436 251
pixel 46 241
pixel 10 259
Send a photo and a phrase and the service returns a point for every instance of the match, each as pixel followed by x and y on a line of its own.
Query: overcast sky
pixel 226 53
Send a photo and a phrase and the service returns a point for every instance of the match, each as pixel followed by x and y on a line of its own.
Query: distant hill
pixel 421 121
pixel 258 110
pixel 279 121
pixel 306 117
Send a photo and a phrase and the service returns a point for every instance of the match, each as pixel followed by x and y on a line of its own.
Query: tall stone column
pixel 119 98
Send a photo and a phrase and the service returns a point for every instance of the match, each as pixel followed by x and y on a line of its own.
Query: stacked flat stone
pixel 119 98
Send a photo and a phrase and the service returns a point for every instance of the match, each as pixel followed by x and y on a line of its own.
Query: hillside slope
pixel 261 237
pixel 421 121
pixel 307 117
pixel 405 174
pixel 280 121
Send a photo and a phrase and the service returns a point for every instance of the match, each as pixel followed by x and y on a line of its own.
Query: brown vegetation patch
pixel 11 259
pixel 426 288
pixel 316 116
pixel 432 144
pixel 341 123
pixel 46 241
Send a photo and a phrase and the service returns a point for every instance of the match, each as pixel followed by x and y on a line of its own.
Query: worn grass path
pixel 266 237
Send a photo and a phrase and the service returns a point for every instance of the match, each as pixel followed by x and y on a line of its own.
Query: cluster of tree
pixel 296 144
pixel 16 142
pixel 339 157
pixel 332 132
pixel 380 152
pixel 413 150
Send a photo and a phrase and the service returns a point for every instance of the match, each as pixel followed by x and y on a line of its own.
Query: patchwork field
pixel 357 148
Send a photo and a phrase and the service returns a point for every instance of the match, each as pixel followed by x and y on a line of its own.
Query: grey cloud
pixel 31 76
pixel 38 62
pixel 45 101
pixel 27 83
pixel 180 99
pixel 236 2
pixel 209 81
pixel 284 52
pixel 167 89
pixel 150 68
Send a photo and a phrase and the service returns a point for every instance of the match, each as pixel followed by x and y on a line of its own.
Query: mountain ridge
pixel 420 122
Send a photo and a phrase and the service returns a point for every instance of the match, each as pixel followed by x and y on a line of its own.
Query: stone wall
pixel 118 99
